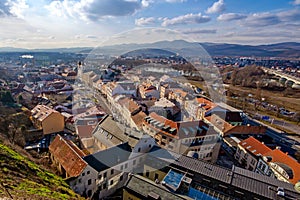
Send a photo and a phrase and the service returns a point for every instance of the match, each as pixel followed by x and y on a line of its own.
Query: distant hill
pixel 287 49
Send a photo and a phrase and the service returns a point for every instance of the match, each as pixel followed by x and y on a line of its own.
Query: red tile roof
pixel 280 157
pixel 183 128
pixel 85 131
pixel 206 104
pixel 254 146
pixel 228 129
pixel 138 118
pixel 129 104
pixel 68 155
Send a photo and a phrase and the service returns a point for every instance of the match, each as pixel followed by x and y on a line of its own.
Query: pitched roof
pixel 254 146
pixel 239 178
pixel 93 112
pixel 129 104
pixel 68 155
pixel 180 129
pixel 230 116
pixel 139 118
pixel 282 159
pixel 41 112
pixel 228 129
pixel 206 104
pixel 145 188
pixel 109 158
pixel 127 85
pixel 85 131
pixel 220 123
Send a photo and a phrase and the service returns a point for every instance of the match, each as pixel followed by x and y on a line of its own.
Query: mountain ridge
pixel 283 49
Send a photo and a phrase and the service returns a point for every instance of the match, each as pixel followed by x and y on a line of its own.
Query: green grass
pixel 23 178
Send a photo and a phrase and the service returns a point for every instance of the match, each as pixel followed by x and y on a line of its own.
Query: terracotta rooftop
pixel 180 129
pixel 220 123
pixel 228 129
pixel 254 146
pixel 129 104
pixel 93 112
pixel 139 118
pixel 68 155
pixel 286 162
pixel 85 131
pixel 206 104
pixel 179 92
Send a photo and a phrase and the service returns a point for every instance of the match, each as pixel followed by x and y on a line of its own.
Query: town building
pixel 186 137
pixel 249 151
pixel 167 174
pixel 47 119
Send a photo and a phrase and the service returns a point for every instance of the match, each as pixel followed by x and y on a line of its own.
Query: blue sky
pixel 74 23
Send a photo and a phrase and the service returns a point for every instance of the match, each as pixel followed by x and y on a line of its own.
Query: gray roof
pixel 127 85
pixel 114 134
pixel 145 187
pixel 108 158
pixel 241 179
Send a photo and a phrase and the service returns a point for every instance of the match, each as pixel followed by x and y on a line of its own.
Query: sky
pixel 86 23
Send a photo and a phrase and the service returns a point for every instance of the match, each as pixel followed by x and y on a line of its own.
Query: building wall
pixel 53 123
pixel 153 174
pixel 245 158
pixel 85 183
pixel 128 196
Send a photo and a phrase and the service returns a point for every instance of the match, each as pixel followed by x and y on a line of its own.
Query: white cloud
pixel 144 21
pixel 186 19
pixel 296 2
pixel 93 10
pixel 217 7
pixel 261 19
pixel 290 15
pixel 231 17
pixel 13 8
pixel 91 36
pixel 146 3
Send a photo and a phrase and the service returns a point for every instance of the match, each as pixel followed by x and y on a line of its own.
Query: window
pixel 134 162
pixel 121 167
pixel 126 165
pixel 90 193
pixel 252 162
pixel 121 177
pixel 104 185
pixel 150 145
pixel 155 176
pixel 89 181
pixel 99 176
pixel 147 173
pixel 112 171
pixel 79 180
pixel 83 174
pixel 88 172
pixel 111 182
pixel 139 149
pixel 105 174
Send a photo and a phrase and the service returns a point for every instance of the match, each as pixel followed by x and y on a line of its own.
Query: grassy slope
pixel 25 180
